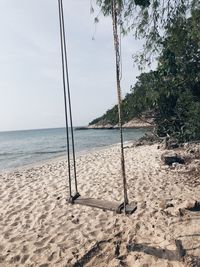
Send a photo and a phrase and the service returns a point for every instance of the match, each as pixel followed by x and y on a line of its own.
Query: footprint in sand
pixel 51 257
pixel 7 235
pixel 42 218
pixel 14 224
pixel 15 259
pixel 2 258
pixel 44 265
pixel 42 242
pixel 24 259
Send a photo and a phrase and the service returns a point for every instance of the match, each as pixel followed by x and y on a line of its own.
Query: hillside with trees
pixel 171 93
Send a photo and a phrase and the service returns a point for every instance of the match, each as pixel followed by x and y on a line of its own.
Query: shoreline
pixel 135 123
pixel 38 227
pixel 59 157
pixel 113 128
pixel 36 152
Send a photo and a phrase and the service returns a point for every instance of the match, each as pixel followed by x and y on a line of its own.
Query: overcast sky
pixel 31 95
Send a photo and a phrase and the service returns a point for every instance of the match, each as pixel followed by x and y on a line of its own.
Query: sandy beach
pixel 39 228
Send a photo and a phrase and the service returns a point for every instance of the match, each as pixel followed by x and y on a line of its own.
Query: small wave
pixel 6 154
pixel 10 154
pixel 48 152
pixel 14 153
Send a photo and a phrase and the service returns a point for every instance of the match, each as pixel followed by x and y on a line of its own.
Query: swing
pixel 77 198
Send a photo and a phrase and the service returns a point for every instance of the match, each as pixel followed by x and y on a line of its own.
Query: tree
pixel 149 20
pixel 179 73
pixel 173 90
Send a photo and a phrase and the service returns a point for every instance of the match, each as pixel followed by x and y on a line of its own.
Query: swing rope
pixel 115 14
pixel 67 94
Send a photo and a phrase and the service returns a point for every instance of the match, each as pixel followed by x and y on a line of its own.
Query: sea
pixel 20 148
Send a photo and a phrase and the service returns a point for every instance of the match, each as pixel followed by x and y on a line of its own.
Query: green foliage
pixel 142 3
pixel 149 20
pixel 110 117
pixel 173 90
pixel 179 71
pixel 141 99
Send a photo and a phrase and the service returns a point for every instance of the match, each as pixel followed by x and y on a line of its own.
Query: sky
pixel 31 92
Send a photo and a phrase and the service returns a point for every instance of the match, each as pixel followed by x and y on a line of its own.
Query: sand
pixel 38 227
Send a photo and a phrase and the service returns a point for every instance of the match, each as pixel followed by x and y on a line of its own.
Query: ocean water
pixel 19 148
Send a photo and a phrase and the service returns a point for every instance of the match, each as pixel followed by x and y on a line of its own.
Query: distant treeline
pixel 172 91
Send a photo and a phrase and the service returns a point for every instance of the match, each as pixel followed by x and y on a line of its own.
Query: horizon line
pixel 36 129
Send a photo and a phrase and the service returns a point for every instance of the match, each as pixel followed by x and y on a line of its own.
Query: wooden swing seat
pixel 104 204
